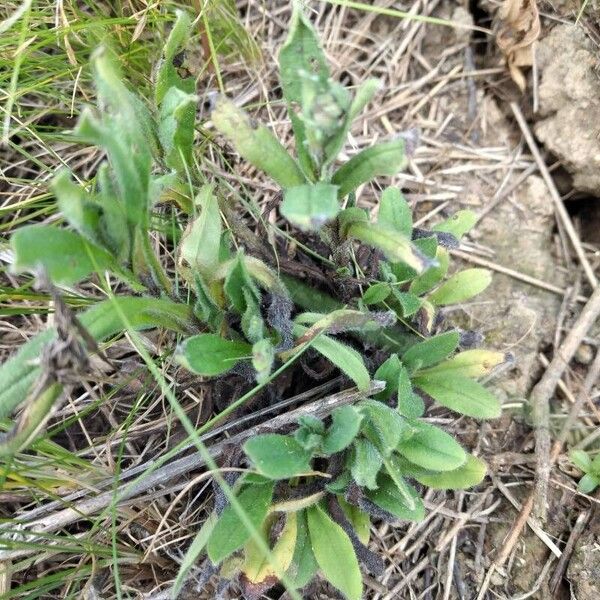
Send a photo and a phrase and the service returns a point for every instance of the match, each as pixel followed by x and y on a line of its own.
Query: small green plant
pixel 310 493
pixel 591 469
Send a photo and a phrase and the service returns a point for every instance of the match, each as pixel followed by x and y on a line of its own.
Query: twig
pixel 174 469
pixel 544 285
pixel 563 563
pixel 543 390
pixel 561 211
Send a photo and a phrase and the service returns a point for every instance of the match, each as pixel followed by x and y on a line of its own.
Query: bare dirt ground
pixel 452 84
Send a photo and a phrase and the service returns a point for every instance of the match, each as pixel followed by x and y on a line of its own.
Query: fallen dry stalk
pixel 89 506
pixel 543 390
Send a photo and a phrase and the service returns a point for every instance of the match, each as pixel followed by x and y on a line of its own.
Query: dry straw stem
pixel 89 506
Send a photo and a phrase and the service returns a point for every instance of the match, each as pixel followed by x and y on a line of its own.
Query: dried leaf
pixel 518 31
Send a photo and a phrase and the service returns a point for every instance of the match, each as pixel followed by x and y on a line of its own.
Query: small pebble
pixel 584 354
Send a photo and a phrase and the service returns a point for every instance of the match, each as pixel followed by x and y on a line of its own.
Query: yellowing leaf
pixel 257 568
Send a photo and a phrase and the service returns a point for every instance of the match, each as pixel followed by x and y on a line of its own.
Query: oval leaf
pixel 229 533
pixel 461 287
pixel 460 394
pixel 431 351
pixel 310 206
pixel 209 354
pixel 334 553
pixel 466 476
pixel 277 456
pixel 432 448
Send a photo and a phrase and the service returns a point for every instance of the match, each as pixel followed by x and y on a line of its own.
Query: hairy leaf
pixel 386 158
pixel 460 394
pixel 432 448
pixel 394 211
pixel 344 427
pixel 431 351
pixel 366 462
pixel 229 533
pixel 311 205
pixel 256 144
pixel 388 496
pixel 334 553
pixel 470 363
pixel 102 321
pixel 461 286
pixel 65 255
pixel 470 474
pixel 199 246
pixel 304 565
pixel 458 224
pixel 277 456
pixel 209 354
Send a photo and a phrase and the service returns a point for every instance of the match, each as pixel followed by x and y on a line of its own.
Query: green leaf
pixel 348 360
pixel 394 245
pixel 176 128
pixel 237 283
pixel 461 287
pixel 366 462
pixel 392 467
pixel 311 205
pixel 344 428
pixel 209 354
pixel 409 302
pixel 126 131
pixel 334 553
pixel 460 394
pixel 470 363
pixel 431 351
pixel 383 426
pixel 386 158
pixel 376 293
pixel 167 76
pixel 389 371
pixel 304 565
pixel 433 275
pixel 360 520
pixel 256 144
pixel 301 52
pixel 277 456
pixel 77 206
pixel 364 94
pixel 468 475
pixel 263 357
pixel 102 321
pixel 588 483
pixel 388 496
pixel 193 553
pixel 199 245
pixel 65 255
pixel 432 448
pixel 410 404
pixel 458 224
pixel 394 212
pixel 581 460
pixel 230 533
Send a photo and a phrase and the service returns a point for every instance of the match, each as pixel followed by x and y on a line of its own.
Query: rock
pixel 584 354
pixel 569 95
